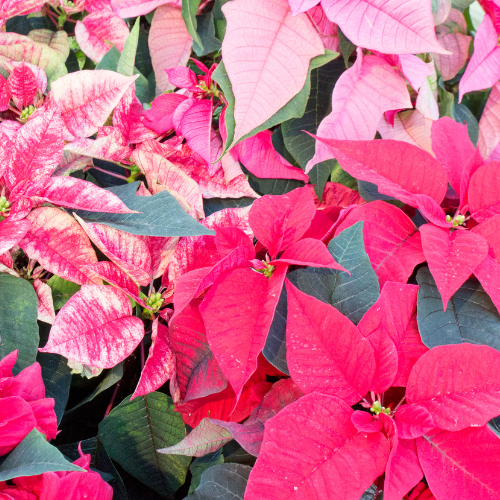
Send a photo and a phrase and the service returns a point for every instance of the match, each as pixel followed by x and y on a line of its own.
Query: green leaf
pixel 352 295
pixel 110 61
pixel 273 186
pixel 33 456
pixel 340 176
pixel 300 144
pixel 126 63
pixel 143 57
pixel 295 108
pixel 189 11
pixel 206 31
pixel 132 433
pixel 161 215
pixel 219 19
pixel 201 464
pixel 235 454
pixel 462 114
pixel 275 348
pixel 56 375
pixel 62 290
pixel 470 314
pixel 371 494
pixel 212 205
pixel 18 326
pixel 222 481
pixel 111 378
pixel 346 46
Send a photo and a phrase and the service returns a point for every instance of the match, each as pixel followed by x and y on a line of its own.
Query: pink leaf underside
pixel 228 239
pixel 184 78
pixel 299 6
pixel 413 421
pixel 161 250
pixel 87 98
pixel 95 327
pixel 279 221
pixel 11 8
pixel 468 396
pixel 103 148
pixel 258 155
pixel 59 244
pixel 453 148
pixel 133 8
pixel 452 35
pixel 128 117
pixel 413 68
pixel 169 43
pixel 46 310
pixel 411 127
pixel 22 85
pixel 111 273
pixel 389 26
pixel 238 311
pixel 98 31
pixel 71 162
pixel 160 365
pixel 12 232
pixel 361 96
pixel 392 241
pixel 4 94
pixel 403 471
pixel 191 284
pixel 343 365
pixel 399 169
pixel 211 186
pixel 310 448
pixel 196 126
pixel 198 372
pixel 159 117
pixel 461 465
pixel 309 252
pixel 206 438
pixel 484 192
pixel 162 174
pixel 40 75
pixel 277 47
pixel 82 195
pixel 452 257
pixel 489 124
pixel 37 150
pixel 483 70
pixel 250 434
pixel 128 251
pixel 486 272
pixel 194 252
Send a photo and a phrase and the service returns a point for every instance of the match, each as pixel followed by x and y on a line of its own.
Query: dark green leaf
pixel 222 482
pixel 219 19
pixel 62 290
pixel 370 192
pixel 206 31
pixel 56 375
pixel 126 63
pixel 143 57
pixel 279 145
pixel 470 314
pixel 371 494
pixel 189 11
pixel 72 62
pixel 346 46
pixel 33 456
pixel 201 464
pixel 212 205
pixel 111 378
pixel 18 326
pixel 300 144
pixel 273 186
pixel 100 462
pixel 295 108
pixel 318 176
pixel 352 295
pixel 462 114
pixel 132 433
pixel 275 349
pixel 235 454
pixel 161 215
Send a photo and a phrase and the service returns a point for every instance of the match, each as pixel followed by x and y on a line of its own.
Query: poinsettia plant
pixel 249 247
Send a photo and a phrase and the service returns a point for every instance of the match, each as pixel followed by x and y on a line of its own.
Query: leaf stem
pixel 113 397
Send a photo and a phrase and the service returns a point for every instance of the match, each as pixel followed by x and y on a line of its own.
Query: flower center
pixel 378 408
